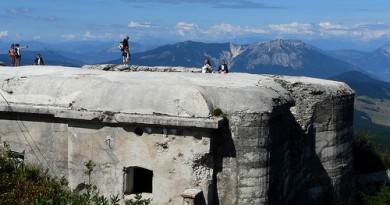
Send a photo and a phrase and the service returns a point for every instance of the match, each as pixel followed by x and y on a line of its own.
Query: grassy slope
pixel 373 116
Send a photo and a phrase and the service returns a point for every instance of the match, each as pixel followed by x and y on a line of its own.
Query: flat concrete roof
pixel 77 93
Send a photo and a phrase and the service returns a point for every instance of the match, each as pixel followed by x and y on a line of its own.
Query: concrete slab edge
pixel 117 118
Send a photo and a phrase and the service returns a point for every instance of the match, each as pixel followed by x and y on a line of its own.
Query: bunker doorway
pixel 137 180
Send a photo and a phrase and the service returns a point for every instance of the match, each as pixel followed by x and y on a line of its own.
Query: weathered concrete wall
pixel 286 140
pixel 173 158
pixel 174 155
pixel 292 155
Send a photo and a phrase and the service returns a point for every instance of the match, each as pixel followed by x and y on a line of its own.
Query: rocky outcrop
pixel 278 140
pixel 136 68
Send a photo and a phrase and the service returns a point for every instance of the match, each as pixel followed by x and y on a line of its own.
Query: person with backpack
pixel 17 54
pixel 124 47
pixel 11 54
pixel 39 60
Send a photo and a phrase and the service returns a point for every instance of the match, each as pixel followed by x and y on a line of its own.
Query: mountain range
pixel 74 54
pixel 287 57
pixel 376 63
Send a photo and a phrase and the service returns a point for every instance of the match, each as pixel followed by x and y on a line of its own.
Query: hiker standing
pixel 11 54
pixel 17 54
pixel 39 60
pixel 223 68
pixel 206 68
pixel 124 46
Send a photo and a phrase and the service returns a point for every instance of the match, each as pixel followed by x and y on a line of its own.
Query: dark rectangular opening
pixel 138 180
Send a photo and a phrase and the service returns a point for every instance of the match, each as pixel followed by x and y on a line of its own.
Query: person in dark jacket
pixel 125 51
pixel 223 68
pixel 39 60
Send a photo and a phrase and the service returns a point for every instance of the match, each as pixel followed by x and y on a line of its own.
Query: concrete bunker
pixel 162 130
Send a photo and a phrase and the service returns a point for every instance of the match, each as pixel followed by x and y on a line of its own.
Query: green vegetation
pixel 219 113
pixel 377 109
pixel 380 133
pixel 368 158
pixel 28 184
pixel 373 116
pixel 383 198
pixel 138 200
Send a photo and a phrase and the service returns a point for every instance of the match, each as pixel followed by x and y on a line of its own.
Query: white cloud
pixel 3 34
pixel 133 24
pixel 333 33
pixel 89 35
pixel 364 32
pixel 183 28
pixel 51 18
pixel 292 28
pixel 68 36
pixel 255 30
pixel 228 32
pixel 225 31
pixel 228 28
pixel 329 25
pixel 37 37
pixel 16 11
pixel 372 31
pixel 367 35
pixel 298 30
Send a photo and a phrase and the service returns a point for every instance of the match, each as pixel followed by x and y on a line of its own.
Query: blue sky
pixel 328 24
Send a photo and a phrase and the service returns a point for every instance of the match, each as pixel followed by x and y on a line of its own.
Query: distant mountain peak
pixel 236 49
pixel 287 57
pixel 278 52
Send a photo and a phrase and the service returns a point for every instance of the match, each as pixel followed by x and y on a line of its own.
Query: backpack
pixel 16 53
pixel 121 46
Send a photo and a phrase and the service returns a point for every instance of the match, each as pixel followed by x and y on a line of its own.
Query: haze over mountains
pixel 376 62
pixel 287 57
pixel 75 54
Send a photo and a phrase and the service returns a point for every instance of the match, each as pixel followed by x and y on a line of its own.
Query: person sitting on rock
pixel 206 68
pixel 223 68
pixel 39 60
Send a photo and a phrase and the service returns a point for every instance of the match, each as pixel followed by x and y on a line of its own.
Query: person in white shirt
pixel 206 68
